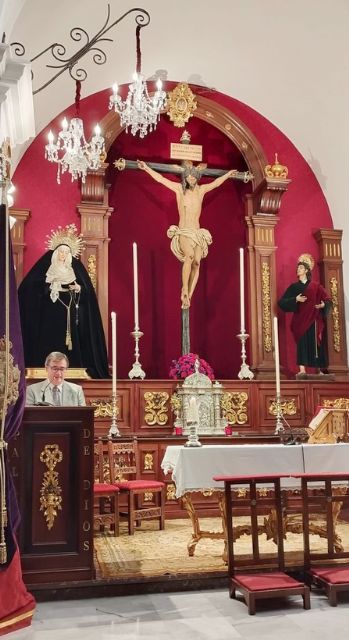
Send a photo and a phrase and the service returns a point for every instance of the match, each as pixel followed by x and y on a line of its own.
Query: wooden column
pixel 95 212
pixel 17 237
pixel 262 208
pixel 331 272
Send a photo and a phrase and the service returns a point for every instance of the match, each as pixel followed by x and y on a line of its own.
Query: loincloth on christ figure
pixel 200 237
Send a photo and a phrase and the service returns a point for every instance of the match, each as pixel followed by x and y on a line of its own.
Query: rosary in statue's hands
pixel 75 287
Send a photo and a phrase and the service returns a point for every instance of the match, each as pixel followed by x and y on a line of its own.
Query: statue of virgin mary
pixel 59 308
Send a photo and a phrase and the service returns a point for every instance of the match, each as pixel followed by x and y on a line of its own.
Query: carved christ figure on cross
pixel 189 242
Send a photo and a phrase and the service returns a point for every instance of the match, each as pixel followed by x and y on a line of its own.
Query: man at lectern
pixel 55 391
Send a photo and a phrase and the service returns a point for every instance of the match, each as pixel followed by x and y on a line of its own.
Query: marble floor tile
pixel 193 615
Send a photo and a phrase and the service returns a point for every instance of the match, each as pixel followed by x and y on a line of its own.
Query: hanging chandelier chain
pixel 138 49
pixel 140 112
pixel 99 57
pixel 77 97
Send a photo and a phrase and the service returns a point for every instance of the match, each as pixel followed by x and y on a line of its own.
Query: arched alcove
pixel 304 207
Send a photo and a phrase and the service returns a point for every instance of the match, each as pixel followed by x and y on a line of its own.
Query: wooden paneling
pixel 301 397
pixel 52 464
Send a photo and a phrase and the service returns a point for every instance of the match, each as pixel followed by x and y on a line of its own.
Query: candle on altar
pixel 193 411
pixel 135 285
pixel 113 343
pixel 242 292
pixel 277 356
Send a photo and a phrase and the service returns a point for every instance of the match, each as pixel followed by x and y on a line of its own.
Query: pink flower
pixel 185 366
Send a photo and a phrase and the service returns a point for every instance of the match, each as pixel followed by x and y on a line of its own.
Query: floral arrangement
pixel 185 366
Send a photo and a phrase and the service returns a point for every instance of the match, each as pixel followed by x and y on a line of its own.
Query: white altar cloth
pixel 326 458
pixel 193 468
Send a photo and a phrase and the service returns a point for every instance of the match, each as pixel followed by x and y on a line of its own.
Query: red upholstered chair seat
pixel 332 579
pixel 266 581
pixel 102 487
pixel 140 484
pixel 333 575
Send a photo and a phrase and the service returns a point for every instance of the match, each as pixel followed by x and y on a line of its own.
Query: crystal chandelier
pixel 72 152
pixel 139 111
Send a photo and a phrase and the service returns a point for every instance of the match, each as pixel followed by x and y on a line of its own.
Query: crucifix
pixel 189 242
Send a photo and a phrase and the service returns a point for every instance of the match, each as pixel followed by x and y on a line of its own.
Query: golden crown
pixel 66 235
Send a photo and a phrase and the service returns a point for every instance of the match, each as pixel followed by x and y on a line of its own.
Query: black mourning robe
pixel 44 323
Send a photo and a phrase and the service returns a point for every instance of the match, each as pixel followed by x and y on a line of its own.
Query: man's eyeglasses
pixel 58 369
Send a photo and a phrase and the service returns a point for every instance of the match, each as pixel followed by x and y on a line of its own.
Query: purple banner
pixel 16 408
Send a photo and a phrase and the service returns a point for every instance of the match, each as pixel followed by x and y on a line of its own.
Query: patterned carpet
pixel 151 553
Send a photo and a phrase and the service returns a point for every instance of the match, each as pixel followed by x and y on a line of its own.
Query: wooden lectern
pixel 330 425
pixel 52 466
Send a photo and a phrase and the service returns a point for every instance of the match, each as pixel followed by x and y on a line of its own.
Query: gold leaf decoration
pixel 51 500
pixel 156 411
pixel 181 104
pixel 234 407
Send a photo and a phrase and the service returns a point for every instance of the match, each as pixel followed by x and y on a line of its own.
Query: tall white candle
pixel 113 342
pixel 135 285
pixel 277 356
pixel 242 292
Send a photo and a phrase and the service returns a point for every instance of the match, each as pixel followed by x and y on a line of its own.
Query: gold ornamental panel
pixel 148 462
pixel 175 402
pixel 288 407
pixel 337 403
pixel 92 269
pixel 171 491
pixel 181 104
pixel 51 499
pixel 156 409
pixel 335 315
pixel 266 323
pixel 234 407
pixel 103 408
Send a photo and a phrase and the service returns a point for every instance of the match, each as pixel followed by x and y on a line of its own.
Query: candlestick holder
pixel 193 439
pixel 114 431
pixel 279 427
pixel 136 371
pixel 245 372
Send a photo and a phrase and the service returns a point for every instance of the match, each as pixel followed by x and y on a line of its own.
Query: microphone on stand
pixel 290 436
pixel 43 403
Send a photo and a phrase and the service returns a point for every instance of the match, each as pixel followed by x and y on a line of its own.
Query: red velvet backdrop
pixel 143 210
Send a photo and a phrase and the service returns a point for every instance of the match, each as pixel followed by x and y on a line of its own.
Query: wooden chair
pixel 266 577
pixel 327 569
pixel 124 469
pixel 106 494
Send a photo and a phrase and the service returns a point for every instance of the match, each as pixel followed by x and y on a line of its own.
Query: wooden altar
pixel 145 411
